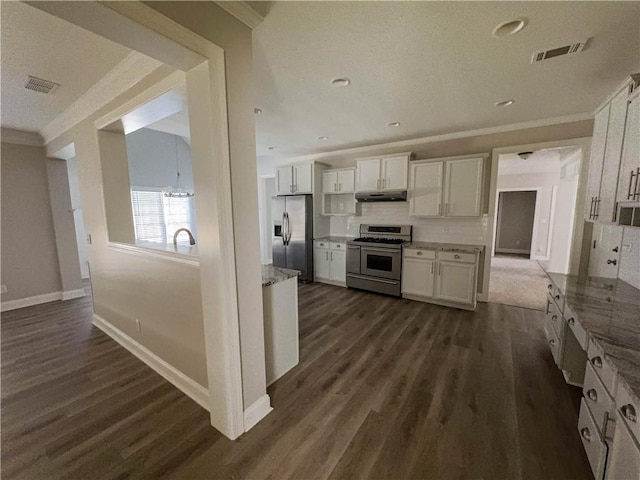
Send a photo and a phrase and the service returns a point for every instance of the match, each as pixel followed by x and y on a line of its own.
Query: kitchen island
pixel 280 310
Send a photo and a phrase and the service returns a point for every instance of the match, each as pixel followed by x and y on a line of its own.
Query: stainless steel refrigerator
pixel 292 231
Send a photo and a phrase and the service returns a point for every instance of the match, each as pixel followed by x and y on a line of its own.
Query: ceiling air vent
pixel 40 85
pixel 557 52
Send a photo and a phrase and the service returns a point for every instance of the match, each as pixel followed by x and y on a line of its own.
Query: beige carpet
pixel 519 282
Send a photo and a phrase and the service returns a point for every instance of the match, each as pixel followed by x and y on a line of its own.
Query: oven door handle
pixel 379 280
pixel 380 250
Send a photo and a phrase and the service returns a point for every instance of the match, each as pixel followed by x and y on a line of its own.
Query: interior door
pixel 395 173
pixel 463 187
pixel 278 248
pixel 516 213
pixel 368 175
pixel 425 192
pixel 284 180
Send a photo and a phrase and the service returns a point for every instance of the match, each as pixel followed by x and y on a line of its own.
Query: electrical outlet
pixel 3 289
pixel 138 325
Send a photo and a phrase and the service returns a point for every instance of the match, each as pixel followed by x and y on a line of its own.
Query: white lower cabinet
pixel 624 457
pixel 440 277
pixel 595 448
pixel 330 262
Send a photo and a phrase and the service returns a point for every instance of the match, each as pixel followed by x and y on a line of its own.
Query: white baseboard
pixel 30 301
pixel 188 386
pixel 71 294
pixel 257 411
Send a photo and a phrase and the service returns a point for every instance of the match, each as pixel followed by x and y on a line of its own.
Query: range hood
pixel 391 196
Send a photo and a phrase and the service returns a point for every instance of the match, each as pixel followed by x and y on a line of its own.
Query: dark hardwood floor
pixel 385 388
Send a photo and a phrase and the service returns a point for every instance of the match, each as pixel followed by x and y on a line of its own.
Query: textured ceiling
pixel 36 43
pixel 433 66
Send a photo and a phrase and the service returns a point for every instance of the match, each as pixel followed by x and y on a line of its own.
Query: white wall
pixel 152 159
pixel 545 182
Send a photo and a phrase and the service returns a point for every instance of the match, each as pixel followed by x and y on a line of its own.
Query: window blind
pixel 156 217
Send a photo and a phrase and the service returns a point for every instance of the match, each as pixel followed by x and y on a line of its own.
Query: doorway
pixel 515 222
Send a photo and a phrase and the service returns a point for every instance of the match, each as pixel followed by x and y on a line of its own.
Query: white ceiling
pixel 433 66
pixel 36 43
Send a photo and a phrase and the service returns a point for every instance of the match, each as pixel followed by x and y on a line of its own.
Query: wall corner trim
pixel 71 294
pixel 185 384
pixel 242 12
pixel 257 411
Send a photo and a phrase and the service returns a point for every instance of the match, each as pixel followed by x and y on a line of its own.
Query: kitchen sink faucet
pixel 192 240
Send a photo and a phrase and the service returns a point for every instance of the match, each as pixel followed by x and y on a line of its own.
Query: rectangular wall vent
pixel 40 85
pixel 557 52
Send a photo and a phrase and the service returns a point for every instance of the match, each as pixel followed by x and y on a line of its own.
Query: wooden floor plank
pixel 385 388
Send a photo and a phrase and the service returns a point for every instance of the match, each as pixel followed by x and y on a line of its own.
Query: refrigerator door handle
pixel 284 228
pixel 288 230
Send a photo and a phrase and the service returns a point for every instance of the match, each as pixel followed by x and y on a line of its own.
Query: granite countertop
pixel 272 275
pixel 334 239
pixel 446 247
pixel 609 310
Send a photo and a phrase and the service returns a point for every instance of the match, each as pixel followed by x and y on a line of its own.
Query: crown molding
pixel 242 12
pixel 441 138
pixel 121 78
pixel 21 137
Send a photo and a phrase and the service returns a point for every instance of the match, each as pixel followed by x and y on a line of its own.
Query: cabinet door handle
pixel 629 194
pixel 635 189
pixel 432 263
pixel 612 262
pixel 615 249
pixel 592 395
pixel 550 286
pixel 586 434
pixel 378 184
pixel 596 210
pixel 552 342
pixel 332 256
pixel 419 252
pixel 596 362
pixel 557 297
pixel 339 187
pixel 554 317
pixel 326 256
pixel 571 322
pixel 591 214
pixel 335 187
pixel 439 209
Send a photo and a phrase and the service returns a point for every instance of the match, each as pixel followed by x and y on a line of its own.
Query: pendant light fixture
pixel 177 191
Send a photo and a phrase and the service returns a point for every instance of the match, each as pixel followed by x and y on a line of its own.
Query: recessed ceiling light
pixel 393 124
pixel 510 27
pixel 323 138
pixel 257 111
pixel 340 82
pixel 271 148
pixel 505 103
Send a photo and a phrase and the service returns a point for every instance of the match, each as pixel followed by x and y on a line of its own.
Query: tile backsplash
pixel 453 230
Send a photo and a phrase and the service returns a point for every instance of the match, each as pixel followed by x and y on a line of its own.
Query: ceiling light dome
pixel 340 82
pixel 510 27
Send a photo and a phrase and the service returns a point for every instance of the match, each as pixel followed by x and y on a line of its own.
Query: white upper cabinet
pixel 598 145
pixel 303 178
pixel 628 182
pixel 346 181
pixel 329 182
pixel 463 187
pixel 368 172
pixel 612 156
pixel 295 179
pixel 425 189
pixel 284 181
pixel 384 173
pixel 394 172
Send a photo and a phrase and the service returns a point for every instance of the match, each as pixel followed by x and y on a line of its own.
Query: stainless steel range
pixel 374 261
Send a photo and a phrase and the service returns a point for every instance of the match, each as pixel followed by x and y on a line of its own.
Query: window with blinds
pixel 156 217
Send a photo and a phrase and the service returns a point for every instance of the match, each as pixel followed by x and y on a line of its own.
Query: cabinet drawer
pixel 457 257
pixel 419 253
pixel 595 355
pixel 553 316
pixel 629 410
pixel 595 448
pixel 576 328
pixel 558 298
pixel 338 246
pixel 321 244
pixel 598 399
